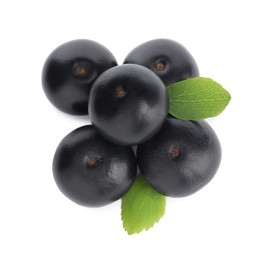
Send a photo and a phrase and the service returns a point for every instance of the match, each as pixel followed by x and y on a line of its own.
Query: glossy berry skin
pixel 182 158
pixel 128 104
pixel 69 72
pixel 168 59
pixel 91 171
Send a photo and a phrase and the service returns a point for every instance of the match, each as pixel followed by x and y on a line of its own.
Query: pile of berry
pixel 128 106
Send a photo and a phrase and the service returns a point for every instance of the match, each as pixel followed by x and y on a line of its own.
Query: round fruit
pixel 128 104
pixel 69 72
pixel 182 158
pixel 168 59
pixel 91 171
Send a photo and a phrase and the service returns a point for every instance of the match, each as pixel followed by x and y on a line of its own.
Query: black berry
pixel 168 59
pixel 181 158
pixel 91 171
pixel 69 72
pixel 128 104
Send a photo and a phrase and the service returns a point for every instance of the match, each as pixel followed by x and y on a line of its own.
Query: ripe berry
pixel 91 171
pixel 128 104
pixel 168 59
pixel 69 72
pixel 181 158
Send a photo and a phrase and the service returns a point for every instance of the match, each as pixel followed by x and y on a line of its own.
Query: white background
pixel 225 220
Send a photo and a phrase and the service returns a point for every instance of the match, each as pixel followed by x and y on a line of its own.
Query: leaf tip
pixel 141 207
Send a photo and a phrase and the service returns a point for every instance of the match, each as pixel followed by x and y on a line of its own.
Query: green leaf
pixel 142 207
pixel 197 98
